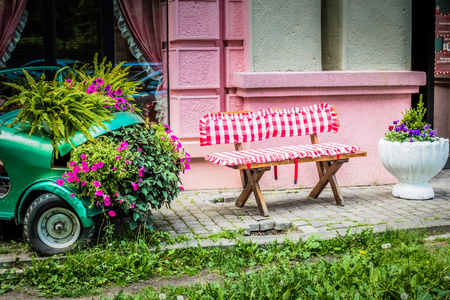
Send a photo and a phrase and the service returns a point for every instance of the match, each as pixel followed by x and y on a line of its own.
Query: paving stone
pixel 281 223
pixel 307 229
pixel 266 224
pixel 297 224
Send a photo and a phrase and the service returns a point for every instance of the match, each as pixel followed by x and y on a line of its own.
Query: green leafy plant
pixel 412 128
pixel 159 158
pixel 133 170
pixel 61 109
pixel 97 170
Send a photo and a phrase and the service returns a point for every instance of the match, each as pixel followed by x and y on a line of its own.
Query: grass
pixel 347 267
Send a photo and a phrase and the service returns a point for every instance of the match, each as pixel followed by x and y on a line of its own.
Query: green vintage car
pixel 53 221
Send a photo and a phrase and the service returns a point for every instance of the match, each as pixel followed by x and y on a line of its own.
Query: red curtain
pixel 143 19
pixel 10 14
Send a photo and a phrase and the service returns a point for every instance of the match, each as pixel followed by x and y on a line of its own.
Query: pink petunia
pixel 96 183
pixel 76 169
pixel 72 163
pixel 107 202
pixel 132 206
pixel 100 164
pixel 112 213
pixel 83 156
pixel 181 188
pixel 83 183
pixel 135 186
pixel 72 195
pixel 139 149
pixel 117 157
pixel 115 194
pixel 60 181
pixel 114 168
pixel 94 168
pixel 98 193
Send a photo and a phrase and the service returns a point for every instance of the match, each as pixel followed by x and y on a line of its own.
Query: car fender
pixel 83 212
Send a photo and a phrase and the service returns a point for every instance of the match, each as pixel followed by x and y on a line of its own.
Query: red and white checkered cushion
pixel 220 128
pixel 279 153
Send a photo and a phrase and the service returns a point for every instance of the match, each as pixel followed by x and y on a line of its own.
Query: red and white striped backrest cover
pixel 226 128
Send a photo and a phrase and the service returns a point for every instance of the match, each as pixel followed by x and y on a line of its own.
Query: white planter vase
pixel 413 164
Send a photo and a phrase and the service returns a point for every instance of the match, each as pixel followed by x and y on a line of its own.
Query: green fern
pixel 66 110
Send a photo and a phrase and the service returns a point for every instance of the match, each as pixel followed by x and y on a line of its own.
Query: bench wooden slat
pixel 301 160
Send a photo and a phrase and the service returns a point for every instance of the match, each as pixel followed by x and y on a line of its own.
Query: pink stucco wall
pixel 210 71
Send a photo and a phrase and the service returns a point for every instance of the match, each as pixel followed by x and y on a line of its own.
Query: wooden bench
pixel 243 127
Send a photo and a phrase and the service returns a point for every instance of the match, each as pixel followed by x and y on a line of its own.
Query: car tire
pixel 51 226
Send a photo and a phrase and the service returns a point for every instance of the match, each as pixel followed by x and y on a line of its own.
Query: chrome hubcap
pixel 58 227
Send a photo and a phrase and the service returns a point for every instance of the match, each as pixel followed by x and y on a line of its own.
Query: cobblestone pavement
pixel 211 211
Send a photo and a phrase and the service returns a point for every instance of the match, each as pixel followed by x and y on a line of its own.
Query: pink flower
pixel 117 157
pixel 83 183
pixel 163 138
pixel 135 186
pixel 98 193
pixel 60 181
pixel 107 202
pixel 86 169
pixel 115 194
pixel 132 206
pixel 83 156
pixel 142 169
pixel 72 163
pixel 112 213
pixel 140 174
pixel 70 82
pixel 76 169
pixel 100 164
pixel 96 183
pixel 114 168
pixel 94 168
pixel 72 195
pixel 139 149
pixel 181 188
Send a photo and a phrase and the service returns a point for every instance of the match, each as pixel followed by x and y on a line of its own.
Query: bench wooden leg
pixel 327 173
pixel 252 186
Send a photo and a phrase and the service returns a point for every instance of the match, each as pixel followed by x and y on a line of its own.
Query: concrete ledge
pixel 273 84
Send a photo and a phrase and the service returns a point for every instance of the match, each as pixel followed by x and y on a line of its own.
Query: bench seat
pixel 243 157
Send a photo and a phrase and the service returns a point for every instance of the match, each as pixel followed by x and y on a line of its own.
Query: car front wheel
pixel 51 226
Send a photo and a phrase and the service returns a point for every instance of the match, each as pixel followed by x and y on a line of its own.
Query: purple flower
pixel 395 122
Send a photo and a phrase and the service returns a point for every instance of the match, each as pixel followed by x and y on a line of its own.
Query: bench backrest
pixel 241 127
